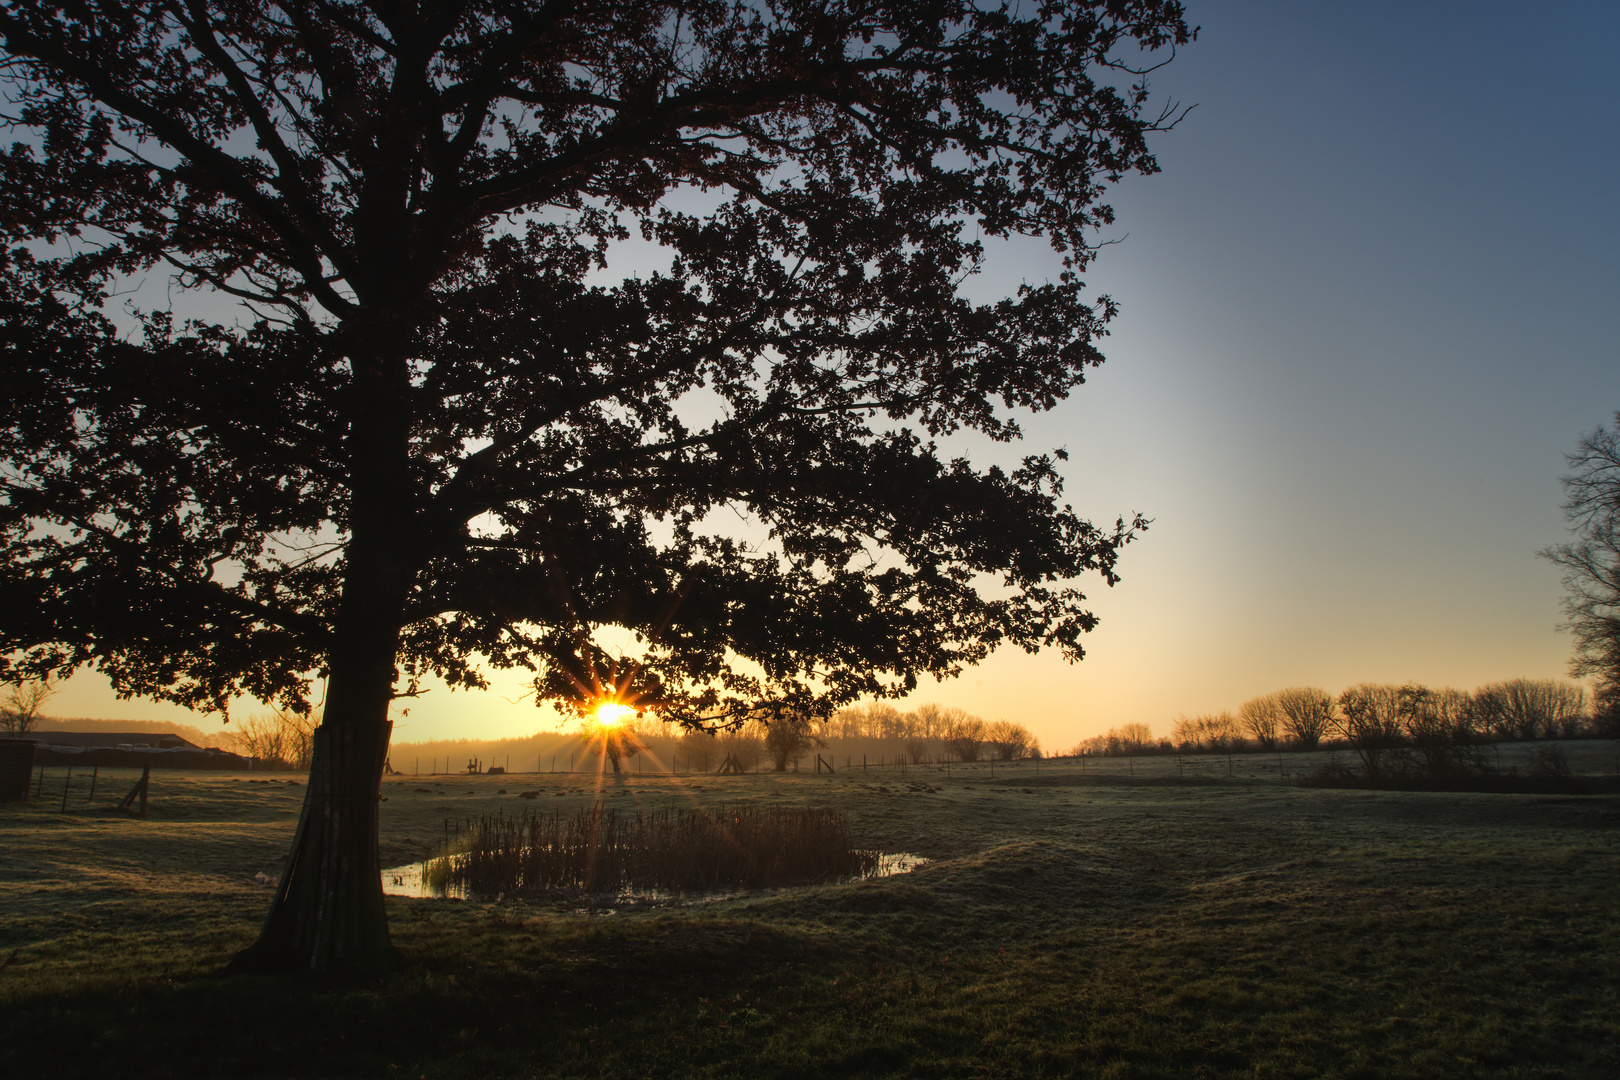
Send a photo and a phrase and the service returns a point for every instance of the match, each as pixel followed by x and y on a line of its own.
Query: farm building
pixel 158 750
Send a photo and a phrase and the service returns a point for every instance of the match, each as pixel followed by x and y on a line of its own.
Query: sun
pixel 612 714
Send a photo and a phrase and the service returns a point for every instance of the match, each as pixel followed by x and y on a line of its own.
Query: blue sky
pixel 1367 306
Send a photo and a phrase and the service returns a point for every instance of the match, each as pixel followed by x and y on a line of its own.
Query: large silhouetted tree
pixel 1591 565
pixel 530 292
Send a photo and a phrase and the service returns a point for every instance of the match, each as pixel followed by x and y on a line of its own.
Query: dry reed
pixel 597 850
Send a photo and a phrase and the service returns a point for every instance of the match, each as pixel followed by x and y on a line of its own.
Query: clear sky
pixel 1368 305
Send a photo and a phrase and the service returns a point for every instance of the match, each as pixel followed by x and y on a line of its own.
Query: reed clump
pixel 597 850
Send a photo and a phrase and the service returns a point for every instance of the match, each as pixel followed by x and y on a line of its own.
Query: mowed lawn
pixel 1146 918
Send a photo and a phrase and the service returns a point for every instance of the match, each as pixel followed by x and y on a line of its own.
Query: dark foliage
pixel 446 437
pixel 450 376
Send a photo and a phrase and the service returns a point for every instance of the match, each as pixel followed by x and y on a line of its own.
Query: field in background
pixel 1117 917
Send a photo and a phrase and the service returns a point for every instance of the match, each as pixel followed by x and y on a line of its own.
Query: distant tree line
pixel 1370 718
pixel 875 730
pixel 1123 740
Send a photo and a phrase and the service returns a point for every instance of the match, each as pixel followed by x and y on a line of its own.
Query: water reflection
pixel 411 881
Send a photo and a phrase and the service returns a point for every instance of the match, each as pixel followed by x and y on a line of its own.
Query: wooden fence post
pixel 138 790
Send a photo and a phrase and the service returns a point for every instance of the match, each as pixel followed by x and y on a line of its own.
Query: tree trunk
pixel 328 914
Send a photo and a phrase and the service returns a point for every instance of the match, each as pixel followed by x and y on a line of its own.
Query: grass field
pixel 1137 919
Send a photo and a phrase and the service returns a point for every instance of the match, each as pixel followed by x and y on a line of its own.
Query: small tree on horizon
pixel 1307 714
pixel 1262 718
pixel 965 738
pixel 1009 740
pixel 788 738
pixel 21 704
pixel 615 742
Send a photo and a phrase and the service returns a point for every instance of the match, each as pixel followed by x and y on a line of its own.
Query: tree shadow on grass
pixel 479 992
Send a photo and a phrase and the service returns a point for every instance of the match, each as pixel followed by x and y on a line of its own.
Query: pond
pixel 411 881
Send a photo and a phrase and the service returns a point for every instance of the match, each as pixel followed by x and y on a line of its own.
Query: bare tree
pixel 745 745
pixel 965 737
pixel 1262 719
pixel 1369 719
pixel 282 738
pixel 1591 565
pixel 1424 722
pixel 1008 740
pixel 19 709
pixel 1213 731
pixel 1569 710
pixel 1530 704
pixel 1134 737
pixel 1125 739
pixel 917 747
pixel 696 751
pixel 1490 716
pixel 931 720
pixel 1438 724
pixel 1530 708
pixel 1454 709
pixel 787 740
pixel 1307 713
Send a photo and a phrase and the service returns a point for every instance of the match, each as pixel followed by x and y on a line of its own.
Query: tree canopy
pixel 533 296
